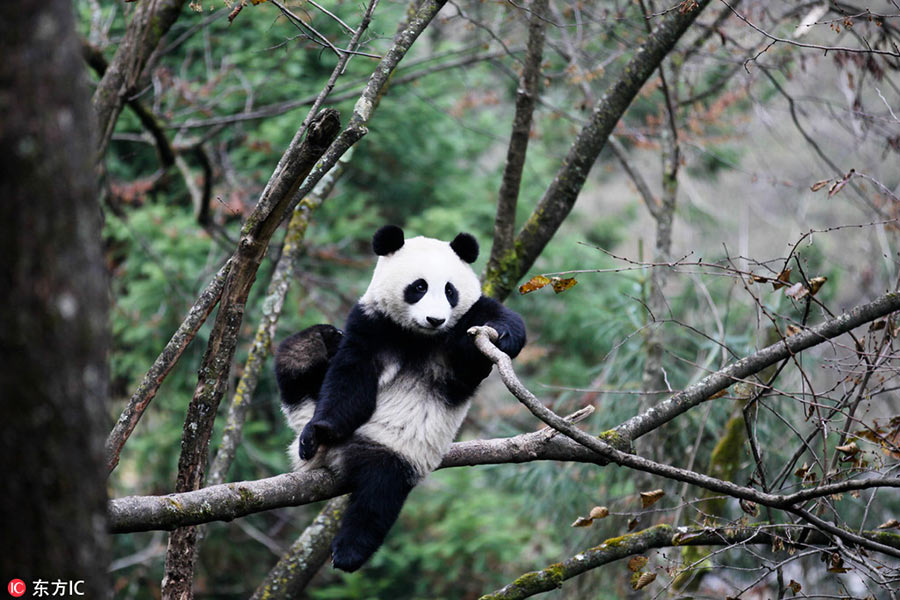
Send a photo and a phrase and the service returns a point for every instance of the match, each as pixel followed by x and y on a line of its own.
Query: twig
pixel 805 45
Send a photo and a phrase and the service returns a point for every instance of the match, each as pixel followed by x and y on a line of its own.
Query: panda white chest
pixel 411 415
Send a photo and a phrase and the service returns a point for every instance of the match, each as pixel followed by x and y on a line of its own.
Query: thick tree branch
pixel 290 576
pixel 295 165
pixel 660 536
pixel 562 193
pixel 262 341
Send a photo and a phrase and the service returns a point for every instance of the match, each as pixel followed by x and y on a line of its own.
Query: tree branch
pixel 295 165
pixel 161 367
pixel 150 21
pixel 695 394
pixel 562 193
pixel 526 98
pixel 659 536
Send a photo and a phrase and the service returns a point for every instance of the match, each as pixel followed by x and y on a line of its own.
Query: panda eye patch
pixel 452 294
pixel 415 291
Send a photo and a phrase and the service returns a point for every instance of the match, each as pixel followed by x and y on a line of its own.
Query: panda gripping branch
pixel 380 403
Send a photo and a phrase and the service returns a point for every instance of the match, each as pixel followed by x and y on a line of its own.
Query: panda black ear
pixel 466 247
pixel 387 240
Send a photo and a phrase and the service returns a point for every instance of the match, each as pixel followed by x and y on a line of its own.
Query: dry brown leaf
pixel 633 523
pixel 650 498
pixel 599 512
pixel 877 325
pixel 783 279
pixel 819 185
pixel 815 283
pixel 850 449
pixel 560 285
pixel 643 581
pixel 749 507
pixel 535 283
pixel 718 394
pixel 892 524
pixel 754 278
pixel 637 563
pixel 836 564
pixel 795 587
pixel 582 522
pixel 792 330
pixel 837 186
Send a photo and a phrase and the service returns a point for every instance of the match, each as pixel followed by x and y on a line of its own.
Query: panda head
pixel 422 284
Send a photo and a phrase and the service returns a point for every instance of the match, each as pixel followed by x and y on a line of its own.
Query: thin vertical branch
pixel 526 98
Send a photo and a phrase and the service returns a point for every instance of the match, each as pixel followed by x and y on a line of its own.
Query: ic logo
pixel 16 588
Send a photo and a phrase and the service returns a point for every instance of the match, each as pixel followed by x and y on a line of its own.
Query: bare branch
pixel 667 410
pixel 526 98
pixel 562 193
pixel 658 536
pixel 164 363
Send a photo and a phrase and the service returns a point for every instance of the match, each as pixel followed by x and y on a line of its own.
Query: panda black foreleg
pixel 380 481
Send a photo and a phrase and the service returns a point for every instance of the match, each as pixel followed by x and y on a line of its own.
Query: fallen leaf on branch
pixel 819 185
pixel 583 522
pixel 796 291
pixel 892 524
pixel 850 449
pixel 783 279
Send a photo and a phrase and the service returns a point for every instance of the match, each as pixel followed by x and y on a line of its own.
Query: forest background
pixel 744 194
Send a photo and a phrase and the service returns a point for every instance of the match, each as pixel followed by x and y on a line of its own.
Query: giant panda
pixel 380 402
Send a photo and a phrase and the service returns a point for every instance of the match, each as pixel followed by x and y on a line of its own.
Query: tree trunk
pixel 54 339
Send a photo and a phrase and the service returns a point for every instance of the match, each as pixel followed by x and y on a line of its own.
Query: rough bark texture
pixel 149 22
pixel 161 367
pixel 290 576
pixel 54 338
pixel 560 196
pixel 526 98
pixel 658 536
pixel 265 331
pixel 296 164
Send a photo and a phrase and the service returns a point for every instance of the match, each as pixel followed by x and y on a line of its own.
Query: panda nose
pixel 435 322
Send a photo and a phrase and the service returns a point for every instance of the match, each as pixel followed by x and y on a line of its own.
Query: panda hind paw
pixel 346 557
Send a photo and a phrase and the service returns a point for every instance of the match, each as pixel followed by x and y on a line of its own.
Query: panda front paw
pixel 308 444
pixel 508 343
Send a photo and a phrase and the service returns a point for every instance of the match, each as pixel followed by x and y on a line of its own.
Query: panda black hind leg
pixel 301 362
pixel 380 481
